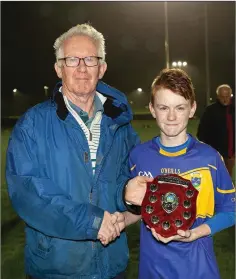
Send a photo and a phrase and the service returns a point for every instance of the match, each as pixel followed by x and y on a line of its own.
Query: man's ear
pixel 58 70
pixel 152 110
pixel 102 70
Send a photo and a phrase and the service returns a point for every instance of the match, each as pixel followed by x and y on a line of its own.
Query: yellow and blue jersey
pixel 204 167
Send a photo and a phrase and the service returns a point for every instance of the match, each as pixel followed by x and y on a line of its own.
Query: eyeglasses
pixel 89 61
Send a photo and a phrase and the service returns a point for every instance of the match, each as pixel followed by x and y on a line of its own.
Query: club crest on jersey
pixel 196 179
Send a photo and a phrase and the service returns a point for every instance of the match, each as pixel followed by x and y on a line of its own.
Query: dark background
pixel 134 33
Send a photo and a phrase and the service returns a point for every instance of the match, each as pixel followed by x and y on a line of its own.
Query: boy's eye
pixel 162 108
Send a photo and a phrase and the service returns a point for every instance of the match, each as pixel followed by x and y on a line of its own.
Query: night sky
pixel 134 33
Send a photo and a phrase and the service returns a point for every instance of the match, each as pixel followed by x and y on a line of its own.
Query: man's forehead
pixel 224 90
pixel 79 40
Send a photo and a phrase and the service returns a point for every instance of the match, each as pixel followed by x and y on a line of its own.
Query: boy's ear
pixel 152 110
pixel 193 109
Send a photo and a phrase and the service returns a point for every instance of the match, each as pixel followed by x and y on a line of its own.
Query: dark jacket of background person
pixel 213 129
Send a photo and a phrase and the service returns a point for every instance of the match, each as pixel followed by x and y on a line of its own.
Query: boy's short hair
pixel 175 80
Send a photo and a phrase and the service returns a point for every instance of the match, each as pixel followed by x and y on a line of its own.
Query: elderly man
pixel 217 128
pixel 67 168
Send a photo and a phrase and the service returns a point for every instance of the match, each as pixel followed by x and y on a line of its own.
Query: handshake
pixel 111 227
pixel 113 224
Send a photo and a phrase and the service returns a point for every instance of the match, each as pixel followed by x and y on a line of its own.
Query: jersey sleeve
pixel 224 188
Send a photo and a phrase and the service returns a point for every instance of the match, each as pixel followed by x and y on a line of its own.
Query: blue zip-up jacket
pixel 52 187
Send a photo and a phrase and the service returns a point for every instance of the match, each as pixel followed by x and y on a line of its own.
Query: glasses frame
pixel 80 58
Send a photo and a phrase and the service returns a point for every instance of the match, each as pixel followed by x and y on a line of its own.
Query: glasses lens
pixel 72 61
pixel 91 61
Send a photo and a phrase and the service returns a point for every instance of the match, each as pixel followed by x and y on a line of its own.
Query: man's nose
pixel 81 67
pixel 225 99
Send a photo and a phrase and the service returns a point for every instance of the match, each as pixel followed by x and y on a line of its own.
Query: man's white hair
pixel 81 30
pixel 222 86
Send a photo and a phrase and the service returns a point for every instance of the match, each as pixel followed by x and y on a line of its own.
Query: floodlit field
pixel 13 229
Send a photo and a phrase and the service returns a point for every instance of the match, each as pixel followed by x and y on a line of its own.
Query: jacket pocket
pixel 59 256
pixel 38 243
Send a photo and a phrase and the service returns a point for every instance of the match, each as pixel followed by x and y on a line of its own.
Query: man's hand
pixel 136 189
pixel 118 222
pixel 109 229
pixel 121 222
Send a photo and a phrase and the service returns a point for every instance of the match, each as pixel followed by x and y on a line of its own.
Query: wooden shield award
pixel 169 204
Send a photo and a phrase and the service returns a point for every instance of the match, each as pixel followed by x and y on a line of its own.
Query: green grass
pixel 12 250
pixel 13 233
pixel 142 110
pixel 7 212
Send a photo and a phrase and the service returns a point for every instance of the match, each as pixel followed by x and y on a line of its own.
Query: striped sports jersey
pixel 204 167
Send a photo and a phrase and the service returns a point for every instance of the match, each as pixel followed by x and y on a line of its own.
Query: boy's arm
pixel 130 218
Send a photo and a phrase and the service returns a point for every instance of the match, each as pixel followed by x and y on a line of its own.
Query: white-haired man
pixel 67 168
pixel 217 125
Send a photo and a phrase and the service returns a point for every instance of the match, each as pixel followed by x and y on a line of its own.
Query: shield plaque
pixel 169 204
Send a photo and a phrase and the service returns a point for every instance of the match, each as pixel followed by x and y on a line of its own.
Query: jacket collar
pixel 113 108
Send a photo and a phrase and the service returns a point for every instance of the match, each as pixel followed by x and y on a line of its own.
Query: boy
pixel 189 254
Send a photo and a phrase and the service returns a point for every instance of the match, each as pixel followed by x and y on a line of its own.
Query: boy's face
pixel 172 113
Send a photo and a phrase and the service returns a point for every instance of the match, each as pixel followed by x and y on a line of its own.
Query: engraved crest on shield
pixel 169 202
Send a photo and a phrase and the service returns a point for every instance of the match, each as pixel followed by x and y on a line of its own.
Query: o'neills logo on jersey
pixel 145 173
pixel 170 171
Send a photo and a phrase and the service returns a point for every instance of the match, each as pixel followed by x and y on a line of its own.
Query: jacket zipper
pixel 91 192
pixel 90 135
pixel 104 159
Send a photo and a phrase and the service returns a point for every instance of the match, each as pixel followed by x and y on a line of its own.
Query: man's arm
pixel 38 200
pixel 124 173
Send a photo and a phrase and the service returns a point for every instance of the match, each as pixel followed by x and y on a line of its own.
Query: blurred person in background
pixel 217 125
